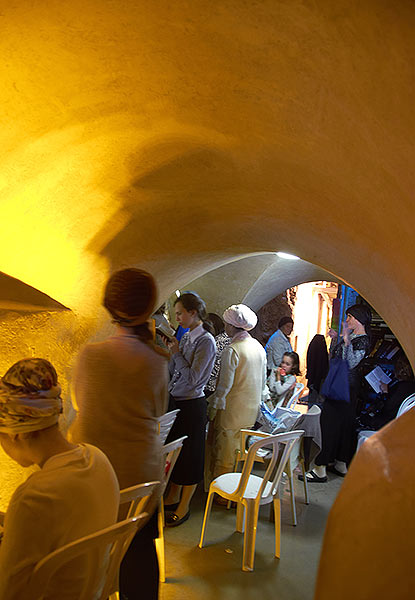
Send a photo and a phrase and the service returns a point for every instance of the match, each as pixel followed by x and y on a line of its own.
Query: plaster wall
pixel 181 136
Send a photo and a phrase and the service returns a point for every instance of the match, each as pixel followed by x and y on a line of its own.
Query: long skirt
pixel 221 447
pixel 190 421
pixel 337 432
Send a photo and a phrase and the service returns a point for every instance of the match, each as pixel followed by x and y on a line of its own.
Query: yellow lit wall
pixel 181 135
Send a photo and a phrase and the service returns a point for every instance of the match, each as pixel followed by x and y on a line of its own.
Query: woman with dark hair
pixel 337 417
pixel 120 389
pixel 190 366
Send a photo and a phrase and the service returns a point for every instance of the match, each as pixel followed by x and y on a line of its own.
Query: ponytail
pixel 192 301
pixel 208 326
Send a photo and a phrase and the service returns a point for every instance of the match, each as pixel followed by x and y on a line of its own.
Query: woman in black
pixel 337 418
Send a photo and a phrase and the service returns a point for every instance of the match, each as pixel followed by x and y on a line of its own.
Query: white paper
pixel 376 377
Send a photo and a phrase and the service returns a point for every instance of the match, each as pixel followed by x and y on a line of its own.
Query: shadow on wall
pixel 164 201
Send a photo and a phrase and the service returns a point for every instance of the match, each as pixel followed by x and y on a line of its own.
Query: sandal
pixel 313 478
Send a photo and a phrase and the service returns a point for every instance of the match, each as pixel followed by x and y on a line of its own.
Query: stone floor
pixel 214 572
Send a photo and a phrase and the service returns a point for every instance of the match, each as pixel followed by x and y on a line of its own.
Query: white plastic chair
pixel 171 453
pixel 294 398
pixel 406 405
pixel 138 497
pixel 250 492
pixel 101 574
pixel 296 459
pixel 166 423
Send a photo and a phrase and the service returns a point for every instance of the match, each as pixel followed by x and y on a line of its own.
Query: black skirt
pixel 190 421
pixel 337 432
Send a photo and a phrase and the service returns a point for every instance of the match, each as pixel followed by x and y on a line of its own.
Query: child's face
pixel 287 364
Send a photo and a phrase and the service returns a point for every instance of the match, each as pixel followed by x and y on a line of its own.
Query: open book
pixel 376 377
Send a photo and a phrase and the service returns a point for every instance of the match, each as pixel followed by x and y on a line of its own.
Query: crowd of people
pixel 217 373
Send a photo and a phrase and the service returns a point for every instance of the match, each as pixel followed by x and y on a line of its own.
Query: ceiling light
pixel 287 256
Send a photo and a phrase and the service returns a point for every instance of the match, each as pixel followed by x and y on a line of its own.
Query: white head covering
pixel 240 316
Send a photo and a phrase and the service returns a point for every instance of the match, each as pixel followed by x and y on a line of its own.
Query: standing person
pixel 317 366
pixel 120 388
pixel 338 417
pixel 222 340
pixel 279 343
pixel 240 389
pixel 75 492
pixel 190 366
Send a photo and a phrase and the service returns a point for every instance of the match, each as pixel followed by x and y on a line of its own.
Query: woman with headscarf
pixel 120 390
pixel 337 417
pixel 74 494
pixel 241 387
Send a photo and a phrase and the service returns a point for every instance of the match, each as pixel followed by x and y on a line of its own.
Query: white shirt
pixel 75 494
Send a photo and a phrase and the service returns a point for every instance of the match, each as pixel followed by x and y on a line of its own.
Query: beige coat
pixel 120 388
pixel 241 383
pixel 241 386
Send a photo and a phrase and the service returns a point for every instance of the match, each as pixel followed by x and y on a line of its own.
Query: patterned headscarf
pixel 29 396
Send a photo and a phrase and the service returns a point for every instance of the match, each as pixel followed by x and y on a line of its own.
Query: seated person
pixel 393 395
pixel 281 381
pixel 74 494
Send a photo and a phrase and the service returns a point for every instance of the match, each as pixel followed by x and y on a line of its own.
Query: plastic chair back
pixel 166 423
pixel 273 470
pixel 406 405
pixel 296 395
pixel 100 574
pixel 138 497
pixel 171 453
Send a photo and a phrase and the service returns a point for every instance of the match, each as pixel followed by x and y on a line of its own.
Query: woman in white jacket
pixel 240 389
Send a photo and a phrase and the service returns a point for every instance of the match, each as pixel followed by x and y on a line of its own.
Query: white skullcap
pixel 240 316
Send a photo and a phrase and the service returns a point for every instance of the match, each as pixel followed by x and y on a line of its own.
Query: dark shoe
pixel 172 520
pixel 332 469
pixel 313 478
pixel 171 506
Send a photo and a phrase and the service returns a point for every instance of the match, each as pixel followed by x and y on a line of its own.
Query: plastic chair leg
pixel 237 461
pixel 307 500
pixel 160 543
pixel 240 509
pixel 251 522
pixel 206 518
pixel 277 520
pixel 293 510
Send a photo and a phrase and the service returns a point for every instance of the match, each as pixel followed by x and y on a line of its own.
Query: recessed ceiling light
pixel 178 293
pixel 287 256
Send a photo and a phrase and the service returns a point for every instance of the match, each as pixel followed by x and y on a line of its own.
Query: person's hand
pixel 332 333
pixel 346 333
pixel 278 373
pixel 211 412
pixel 173 346
pixel 384 387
